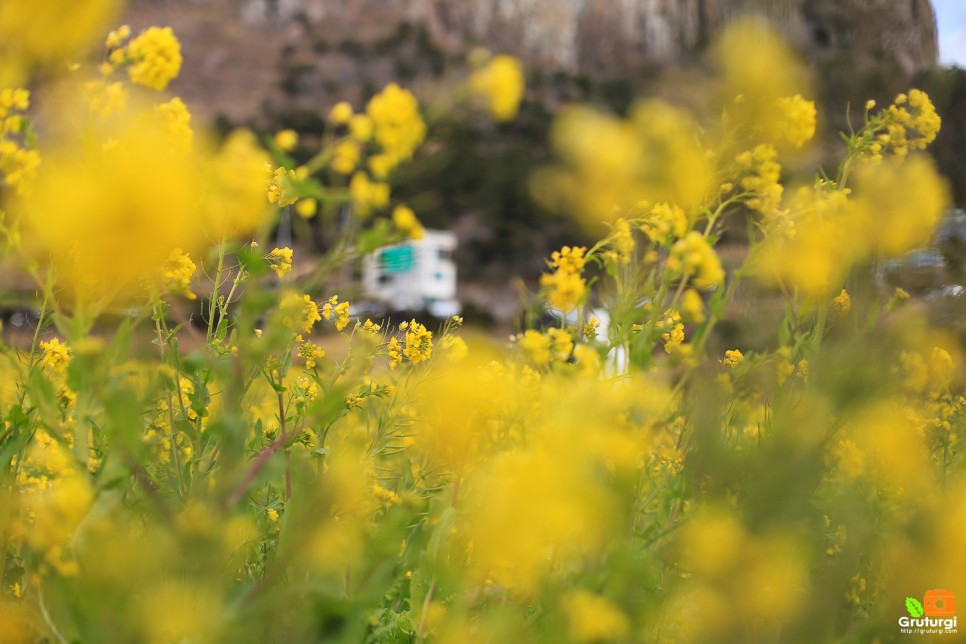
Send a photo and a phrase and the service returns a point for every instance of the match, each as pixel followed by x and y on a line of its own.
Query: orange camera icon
pixel 939 603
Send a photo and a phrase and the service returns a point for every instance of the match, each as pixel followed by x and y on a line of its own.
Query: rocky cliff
pixel 242 53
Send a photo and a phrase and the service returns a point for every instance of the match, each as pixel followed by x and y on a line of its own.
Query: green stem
pixel 214 294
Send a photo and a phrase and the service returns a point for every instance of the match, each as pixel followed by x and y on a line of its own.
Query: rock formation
pixel 307 44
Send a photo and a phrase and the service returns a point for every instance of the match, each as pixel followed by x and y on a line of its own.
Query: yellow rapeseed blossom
pixel 565 289
pixel 367 195
pixel 235 202
pixel 842 303
pixel 311 353
pixel 306 208
pixel 694 257
pixel 18 162
pixel 761 71
pixel 797 125
pixel 825 243
pixel 177 120
pixel 341 113
pixel 454 348
pixel 380 166
pixel 692 306
pixel 419 342
pixel 593 618
pixel 286 140
pixel 281 190
pixel 405 220
pixel 910 123
pixel 565 513
pixel 155 56
pixel 394 353
pixel 608 165
pixel 369 328
pixel 298 313
pixel 339 309
pixel 116 37
pixel 107 217
pixel 761 178
pixel 105 99
pixel 345 157
pixel 398 126
pixel 622 240
pixel 57 356
pixel 664 223
pixel 50 32
pixel 898 205
pixel 177 273
pixel 360 127
pixel 499 82
pixel 536 347
pixel 733 357
pixel 280 261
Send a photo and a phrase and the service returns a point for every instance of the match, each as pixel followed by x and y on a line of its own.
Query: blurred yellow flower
pixel 155 56
pixel 500 83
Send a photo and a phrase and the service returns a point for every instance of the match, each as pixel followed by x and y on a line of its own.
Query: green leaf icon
pixel 913 606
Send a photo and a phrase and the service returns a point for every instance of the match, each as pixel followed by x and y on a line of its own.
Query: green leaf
pixel 914 607
pixel 252 261
pixel 379 235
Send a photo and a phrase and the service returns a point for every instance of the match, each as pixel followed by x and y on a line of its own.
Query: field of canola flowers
pixel 427 484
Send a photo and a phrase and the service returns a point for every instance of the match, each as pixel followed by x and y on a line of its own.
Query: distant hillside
pixel 249 58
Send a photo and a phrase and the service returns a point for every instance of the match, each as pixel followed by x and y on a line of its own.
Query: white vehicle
pixel 417 275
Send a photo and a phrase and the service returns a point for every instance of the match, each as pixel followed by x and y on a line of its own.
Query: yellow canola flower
pixel 311 353
pixel 280 261
pixel 825 243
pixel 733 358
pixel 339 309
pixel 367 195
pixel 49 32
pixel 286 140
pixel 761 178
pixel 360 126
pixel 842 303
pixel 234 204
pixel 899 204
pixel 762 84
pixel 500 83
pixel 694 257
pixel 155 56
pixel 692 306
pixel 345 157
pixel 341 113
pixel 105 99
pixel 419 342
pixel 177 272
pixel 797 122
pixel 177 120
pixel 57 510
pixel 117 37
pixel 607 164
pixel 115 196
pixel 405 220
pixel 105 217
pixel 527 503
pixel 593 618
pixel 306 208
pixel 57 356
pixel 298 313
pixel 281 189
pixel 398 126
